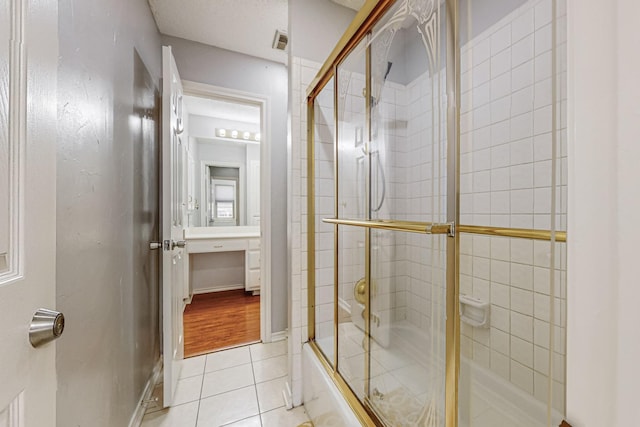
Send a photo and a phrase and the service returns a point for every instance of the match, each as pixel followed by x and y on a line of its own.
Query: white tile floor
pixel 240 387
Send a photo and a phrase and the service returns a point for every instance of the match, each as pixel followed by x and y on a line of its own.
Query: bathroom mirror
pixel 223 163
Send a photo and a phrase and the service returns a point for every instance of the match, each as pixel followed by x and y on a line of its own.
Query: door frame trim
pixel 205 90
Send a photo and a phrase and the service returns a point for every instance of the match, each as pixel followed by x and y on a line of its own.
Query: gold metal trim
pixel 523 233
pixel 366 18
pixel 452 340
pixel 336 235
pixel 311 224
pixel 393 225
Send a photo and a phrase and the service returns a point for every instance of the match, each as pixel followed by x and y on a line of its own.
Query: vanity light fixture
pixel 251 137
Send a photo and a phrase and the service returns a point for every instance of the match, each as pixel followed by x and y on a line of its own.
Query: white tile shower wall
pixel 506 180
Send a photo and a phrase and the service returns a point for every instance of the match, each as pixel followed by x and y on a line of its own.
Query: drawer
pixel 216 245
pixel 254 280
pixel 254 243
pixel 254 259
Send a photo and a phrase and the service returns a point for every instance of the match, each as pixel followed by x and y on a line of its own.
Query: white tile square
pixel 522 327
pixel 543 13
pixel 193 366
pixel 227 358
pixel 500 179
pixel 500 318
pixel 500 248
pixel 482 138
pixel 500 364
pixel 481 51
pixel 268 369
pixel 522 302
pixel 521 176
pixel 501 63
pixel 500 341
pixel 500 294
pixel 522 26
pixel 522 251
pixel 522 101
pixel 541 333
pixel 500 156
pixel 501 39
pixel 521 151
pixel 188 390
pixel 521 126
pixel 270 394
pixel 227 379
pixel 481 73
pixel 543 66
pixel 501 86
pixel 543 40
pixel 228 407
pixel 500 201
pixel 501 109
pixel 522 51
pixel 263 351
pixel 522 276
pixel 282 418
pixel 177 416
pixel 522 76
pixel 542 120
pixel 247 422
pixel 500 133
pixel 543 94
pixel 522 376
pixel 500 272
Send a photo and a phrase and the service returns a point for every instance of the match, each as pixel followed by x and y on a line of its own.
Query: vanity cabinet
pixel 252 266
pixel 213 240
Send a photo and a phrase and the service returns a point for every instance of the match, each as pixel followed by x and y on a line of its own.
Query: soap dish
pixel 474 311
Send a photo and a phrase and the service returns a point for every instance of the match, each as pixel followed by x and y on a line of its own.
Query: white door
pixel 28 71
pixel 172 216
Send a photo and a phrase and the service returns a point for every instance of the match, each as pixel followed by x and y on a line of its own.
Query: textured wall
pixel 107 208
pixel 211 65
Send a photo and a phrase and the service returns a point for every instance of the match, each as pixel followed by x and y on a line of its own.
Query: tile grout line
pixel 255 386
pixel 204 368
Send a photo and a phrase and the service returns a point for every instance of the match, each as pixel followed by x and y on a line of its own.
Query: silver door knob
pixel 178 244
pixel 46 326
pixel 155 245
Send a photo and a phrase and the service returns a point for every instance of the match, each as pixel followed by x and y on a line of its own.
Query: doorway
pixel 224 180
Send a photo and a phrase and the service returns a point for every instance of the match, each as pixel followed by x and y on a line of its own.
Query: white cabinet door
pixel 173 256
pixel 28 105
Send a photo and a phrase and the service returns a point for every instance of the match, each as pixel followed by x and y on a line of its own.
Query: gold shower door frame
pixel 362 24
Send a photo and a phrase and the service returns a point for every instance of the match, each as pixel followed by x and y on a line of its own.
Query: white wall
pixel 603 348
pixel 211 65
pixel 107 209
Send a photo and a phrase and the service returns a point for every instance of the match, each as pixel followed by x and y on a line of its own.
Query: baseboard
pixel 279 336
pixel 217 289
pixel 138 414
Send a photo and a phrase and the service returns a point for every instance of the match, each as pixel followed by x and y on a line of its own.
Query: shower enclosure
pixel 436 213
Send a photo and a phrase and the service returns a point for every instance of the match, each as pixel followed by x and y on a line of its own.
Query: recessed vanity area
pixel 223 258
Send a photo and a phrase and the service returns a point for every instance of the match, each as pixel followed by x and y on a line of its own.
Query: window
pixel 223 208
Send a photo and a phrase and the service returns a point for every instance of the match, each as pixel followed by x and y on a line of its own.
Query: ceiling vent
pixel 280 40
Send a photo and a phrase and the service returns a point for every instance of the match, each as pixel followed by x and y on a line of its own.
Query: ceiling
pixel 245 26
pixel 223 109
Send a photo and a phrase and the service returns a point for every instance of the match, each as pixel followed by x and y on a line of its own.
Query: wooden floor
pixel 219 320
